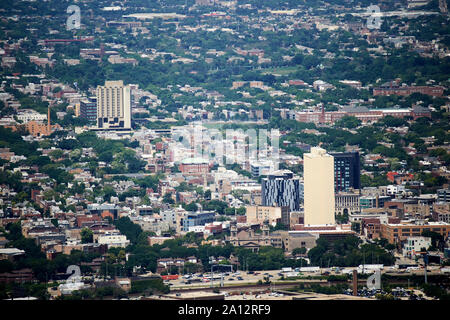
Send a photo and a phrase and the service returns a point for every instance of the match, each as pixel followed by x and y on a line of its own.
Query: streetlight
pixel 221 274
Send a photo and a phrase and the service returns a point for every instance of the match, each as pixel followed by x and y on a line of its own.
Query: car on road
pixel 240 278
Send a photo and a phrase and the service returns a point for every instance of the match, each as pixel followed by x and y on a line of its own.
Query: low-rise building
pixel 290 240
pixel 259 214
pixel 248 238
pixel 347 203
pixel 192 219
pixel 113 240
pixel 415 245
pixel 399 232
pixel 158 240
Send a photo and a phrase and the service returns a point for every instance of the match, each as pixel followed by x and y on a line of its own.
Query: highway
pixel 242 278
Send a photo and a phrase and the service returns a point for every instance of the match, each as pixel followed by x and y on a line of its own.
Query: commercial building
pixel 290 240
pixel 259 214
pixel 281 188
pixel 370 224
pixel 114 106
pixel 329 232
pixel 443 195
pixel 113 240
pixel 88 109
pixel 261 168
pixel 441 215
pixel 194 166
pixel 26 115
pixel 364 114
pixel 39 129
pixel 347 203
pixel 346 171
pixel 192 219
pixel 369 202
pixel 319 187
pixel 392 88
pixel 399 232
pixel 414 245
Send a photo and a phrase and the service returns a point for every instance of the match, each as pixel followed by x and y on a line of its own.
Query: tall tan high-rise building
pixel 319 202
pixel 114 106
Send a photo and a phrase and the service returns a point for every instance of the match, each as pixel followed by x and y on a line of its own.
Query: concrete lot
pixel 274 276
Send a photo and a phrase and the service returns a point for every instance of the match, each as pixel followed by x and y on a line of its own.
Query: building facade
pixel 88 109
pixel 319 199
pixel 114 106
pixel 282 189
pixel 443 195
pixel 346 171
pixel 259 214
pixel 414 245
pixel 369 202
pixel 248 239
pixel 194 166
pixel 399 232
pixel 290 240
pixel 347 203
pixel 192 219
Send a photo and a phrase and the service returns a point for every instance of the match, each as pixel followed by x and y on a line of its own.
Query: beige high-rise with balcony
pixel 319 202
pixel 114 106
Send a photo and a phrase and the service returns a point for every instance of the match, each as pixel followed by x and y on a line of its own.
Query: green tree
pixel 87 236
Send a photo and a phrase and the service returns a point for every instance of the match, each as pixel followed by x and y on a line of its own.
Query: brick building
pixel 194 166
pixel 399 232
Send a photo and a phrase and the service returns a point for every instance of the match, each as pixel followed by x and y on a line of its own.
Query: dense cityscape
pixel 224 150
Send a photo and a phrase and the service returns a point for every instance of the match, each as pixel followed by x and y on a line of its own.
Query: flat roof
pixel 11 251
pixel 299 234
pixel 436 224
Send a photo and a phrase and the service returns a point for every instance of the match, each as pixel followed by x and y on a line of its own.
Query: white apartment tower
pixel 318 172
pixel 114 106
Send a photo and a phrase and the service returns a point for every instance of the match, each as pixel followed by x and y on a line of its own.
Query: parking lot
pixel 242 277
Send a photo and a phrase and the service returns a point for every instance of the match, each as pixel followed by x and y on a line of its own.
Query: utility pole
pixel 425 260
pixel 364 260
pixel 212 277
